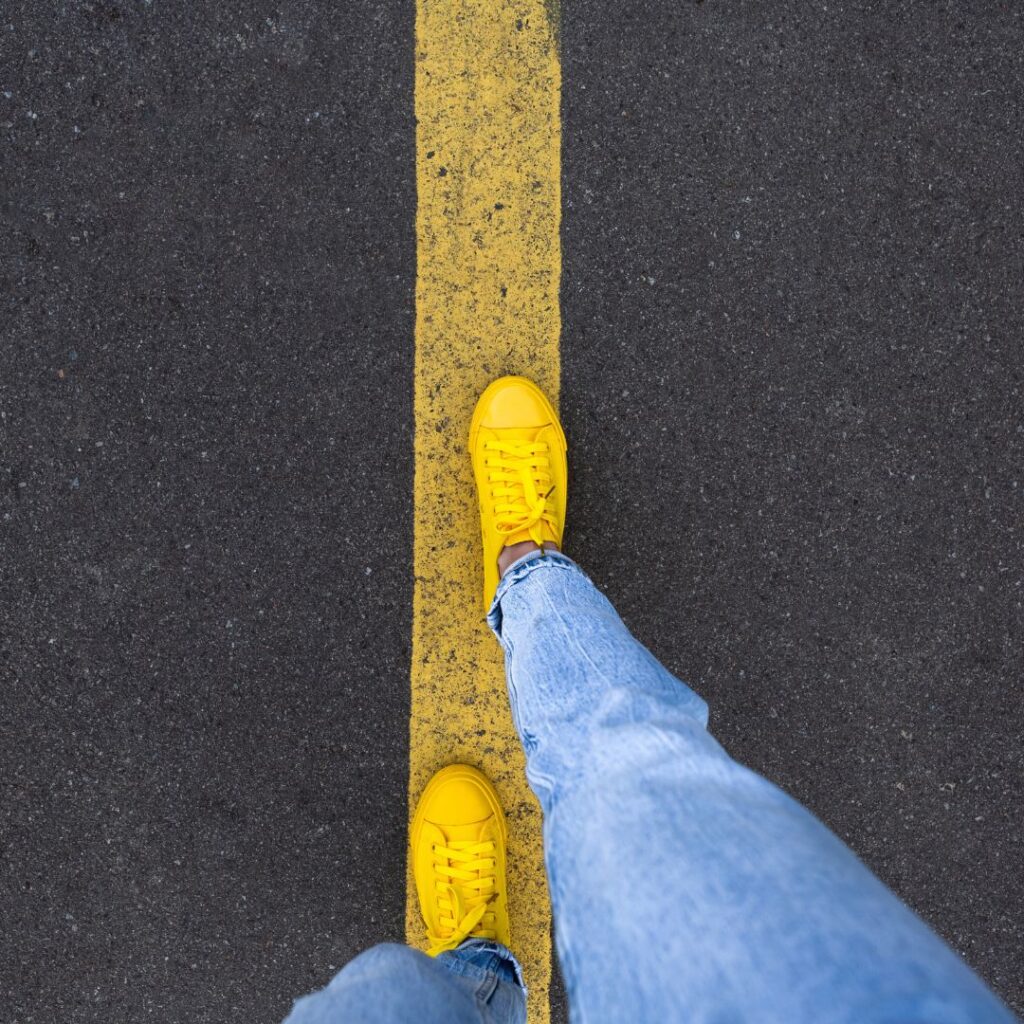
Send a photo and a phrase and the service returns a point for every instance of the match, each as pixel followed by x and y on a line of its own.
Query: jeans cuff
pixel 481 959
pixel 520 569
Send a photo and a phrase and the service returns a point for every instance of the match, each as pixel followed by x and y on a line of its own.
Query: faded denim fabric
pixel 684 886
pixel 478 983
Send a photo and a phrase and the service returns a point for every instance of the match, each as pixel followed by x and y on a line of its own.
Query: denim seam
pixel 466 970
pixel 487 986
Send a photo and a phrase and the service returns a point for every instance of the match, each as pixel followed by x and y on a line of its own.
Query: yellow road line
pixel 488 150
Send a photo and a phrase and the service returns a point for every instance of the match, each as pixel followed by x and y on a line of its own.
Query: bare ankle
pixel 516 551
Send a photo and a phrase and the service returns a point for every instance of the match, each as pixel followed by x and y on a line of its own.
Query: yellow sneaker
pixel 458 853
pixel 518 451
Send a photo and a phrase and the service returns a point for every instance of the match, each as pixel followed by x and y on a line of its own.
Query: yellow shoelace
pixel 520 482
pixel 464 887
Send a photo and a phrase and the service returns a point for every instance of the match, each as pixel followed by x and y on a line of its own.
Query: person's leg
pixel 457 847
pixel 684 886
pixel 477 983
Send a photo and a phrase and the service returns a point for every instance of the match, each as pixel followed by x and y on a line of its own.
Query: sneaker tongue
pixel 518 434
pixel 470 832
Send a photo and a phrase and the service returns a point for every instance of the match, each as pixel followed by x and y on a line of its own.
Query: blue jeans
pixel 684 886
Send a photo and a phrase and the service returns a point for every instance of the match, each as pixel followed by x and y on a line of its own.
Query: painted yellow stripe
pixel 488 85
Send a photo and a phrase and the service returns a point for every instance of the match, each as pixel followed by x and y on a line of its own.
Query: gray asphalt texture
pixel 207 522
pixel 792 371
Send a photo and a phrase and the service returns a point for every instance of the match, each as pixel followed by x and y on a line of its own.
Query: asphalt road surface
pixel 792 363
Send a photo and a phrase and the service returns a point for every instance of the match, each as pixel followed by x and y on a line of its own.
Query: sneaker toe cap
pixel 516 405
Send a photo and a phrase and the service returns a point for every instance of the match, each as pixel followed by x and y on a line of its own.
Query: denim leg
pixel 478 983
pixel 684 886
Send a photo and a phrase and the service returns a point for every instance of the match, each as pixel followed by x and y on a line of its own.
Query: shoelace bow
pixel 464 888
pixel 520 480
